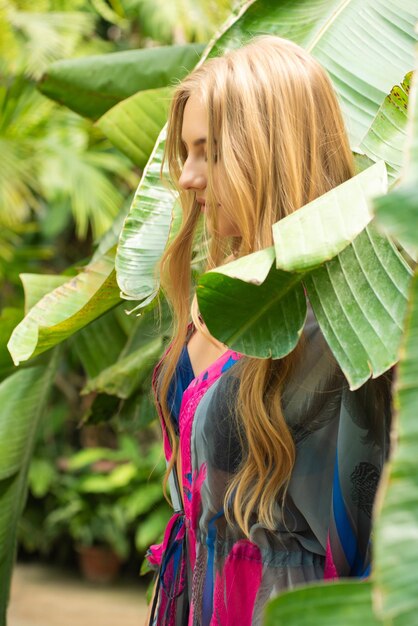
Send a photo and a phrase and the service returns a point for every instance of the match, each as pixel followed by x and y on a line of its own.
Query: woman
pixel 273 464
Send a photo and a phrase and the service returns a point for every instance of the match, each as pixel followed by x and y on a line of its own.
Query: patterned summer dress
pixel 209 574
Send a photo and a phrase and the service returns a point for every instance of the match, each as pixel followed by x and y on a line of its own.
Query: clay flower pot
pixel 98 564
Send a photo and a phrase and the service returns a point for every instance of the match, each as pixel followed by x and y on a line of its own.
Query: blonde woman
pixel 273 465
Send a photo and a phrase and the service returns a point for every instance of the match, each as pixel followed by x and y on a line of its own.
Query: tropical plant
pixel 105 497
pixel 359 266
pixel 23 397
pixel 178 21
pixel 390 595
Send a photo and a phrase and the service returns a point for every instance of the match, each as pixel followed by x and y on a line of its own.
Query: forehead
pixel 195 120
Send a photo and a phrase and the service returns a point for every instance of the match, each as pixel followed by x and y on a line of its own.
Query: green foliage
pixel 326 605
pixel 66 309
pixel 50 161
pixel 51 158
pixel 134 124
pixel 341 35
pixel 128 373
pixel 337 217
pixel 103 496
pixel 22 398
pixel 262 325
pixel 178 19
pixel 23 115
pixel 356 281
pixel 359 296
pixel 78 173
pixel 386 136
pixel 145 232
pixel 94 84
pixel 396 548
pixel 34 36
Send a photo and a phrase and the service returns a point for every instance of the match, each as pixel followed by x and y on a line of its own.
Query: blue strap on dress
pixel 182 378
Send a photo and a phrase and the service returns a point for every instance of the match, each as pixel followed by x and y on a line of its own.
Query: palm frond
pixel 162 20
pixel 23 116
pixel 46 37
pixel 84 174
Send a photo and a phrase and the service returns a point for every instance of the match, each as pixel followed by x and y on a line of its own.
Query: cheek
pixel 223 212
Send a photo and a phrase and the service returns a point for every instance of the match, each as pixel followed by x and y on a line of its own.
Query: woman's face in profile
pixel 194 174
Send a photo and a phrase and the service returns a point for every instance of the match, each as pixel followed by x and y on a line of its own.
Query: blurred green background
pixel 95 476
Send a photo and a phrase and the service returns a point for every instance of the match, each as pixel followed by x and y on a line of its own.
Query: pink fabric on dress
pixel 237 585
pixel 191 398
pixel 330 571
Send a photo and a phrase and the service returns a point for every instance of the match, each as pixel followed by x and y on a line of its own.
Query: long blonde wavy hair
pixel 277 137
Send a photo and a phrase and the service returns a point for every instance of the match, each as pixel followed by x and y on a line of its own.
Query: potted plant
pixel 104 499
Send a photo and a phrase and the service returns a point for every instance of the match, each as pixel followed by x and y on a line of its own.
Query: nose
pixel 192 176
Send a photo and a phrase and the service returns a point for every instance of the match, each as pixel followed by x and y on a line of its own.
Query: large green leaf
pixel 9 318
pixel 118 368
pixel 145 232
pixel 359 296
pixel 341 34
pixel 359 299
pixel 93 85
pixel 338 604
pixel 396 545
pixel 22 399
pixel 66 309
pixel 133 125
pixel 385 139
pixel 99 344
pixel 396 550
pixel 263 320
pixel 366 45
pixel 35 286
pixel 128 373
pixel 397 212
pixel 336 218
pixel 402 223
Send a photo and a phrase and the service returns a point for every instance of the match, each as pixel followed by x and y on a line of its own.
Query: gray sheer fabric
pixel 209 573
pixel 324 416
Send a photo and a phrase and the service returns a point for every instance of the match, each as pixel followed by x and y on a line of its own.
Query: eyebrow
pixel 196 142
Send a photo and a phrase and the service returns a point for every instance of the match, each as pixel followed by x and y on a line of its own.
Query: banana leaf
pixel 365 45
pixel 396 546
pixel 145 232
pixel 66 309
pixel 396 550
pixel 133 125
pixel 386 137
pixel 35 286
pixel 341 35
pixel 128 373
pixel 92 85
pixel 9 318
pixel 397 213
pixel 343 603
pixel 335 219
pixel 23 396
pixel 99 344
pixel 402 223
pixel 359 297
